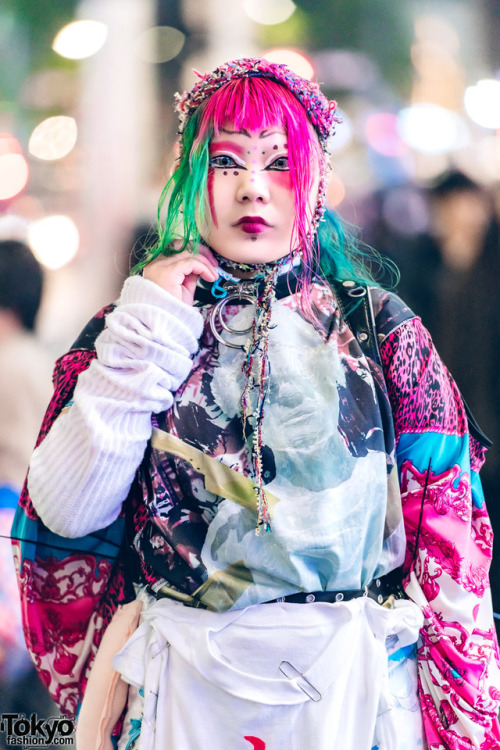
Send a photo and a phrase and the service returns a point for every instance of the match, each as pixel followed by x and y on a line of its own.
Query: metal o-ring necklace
pixel 244 291
pixel 241 290
pixel 255 365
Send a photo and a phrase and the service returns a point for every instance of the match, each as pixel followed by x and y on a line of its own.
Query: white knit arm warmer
pixel 82 471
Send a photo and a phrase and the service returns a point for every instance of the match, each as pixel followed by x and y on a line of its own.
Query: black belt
pixel 379 590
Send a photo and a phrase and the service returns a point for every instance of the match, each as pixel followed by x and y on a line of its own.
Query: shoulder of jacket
pixel 87 337
pixel 389 312
pixel 372 313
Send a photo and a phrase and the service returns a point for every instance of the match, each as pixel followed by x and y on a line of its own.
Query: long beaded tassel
pixel 256 369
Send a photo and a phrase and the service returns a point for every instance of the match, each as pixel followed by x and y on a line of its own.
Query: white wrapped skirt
pixel 278 676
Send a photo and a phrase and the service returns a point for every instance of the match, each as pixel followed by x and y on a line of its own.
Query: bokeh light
pixel 295 61
pixel 344 133
pixel 431 129
pixel 269 12
pixel 482 103
pixel 53 138
pixel 381 130
pixel 54 241
pixel 80 39
pixel 335 191
pixel 159 44
pixel 14 169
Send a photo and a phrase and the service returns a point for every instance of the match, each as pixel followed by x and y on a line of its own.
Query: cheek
pixel 282 180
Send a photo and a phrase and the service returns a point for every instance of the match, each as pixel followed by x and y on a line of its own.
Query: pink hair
pixel 253 103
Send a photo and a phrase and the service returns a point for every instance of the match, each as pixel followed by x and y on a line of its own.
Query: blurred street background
pixel 87 133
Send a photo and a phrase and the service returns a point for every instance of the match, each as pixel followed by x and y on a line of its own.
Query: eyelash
pixel 214 162
pixel 274 164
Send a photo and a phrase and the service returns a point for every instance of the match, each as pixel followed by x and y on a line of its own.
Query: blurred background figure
pixel 457 292
pixel 25 390
pixel 458 252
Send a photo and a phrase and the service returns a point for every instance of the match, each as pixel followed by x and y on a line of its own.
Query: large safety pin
pixel 302 682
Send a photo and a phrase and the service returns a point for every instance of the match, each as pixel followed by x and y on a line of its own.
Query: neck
pixel 252 270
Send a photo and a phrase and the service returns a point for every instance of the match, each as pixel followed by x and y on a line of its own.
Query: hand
pixel 178 274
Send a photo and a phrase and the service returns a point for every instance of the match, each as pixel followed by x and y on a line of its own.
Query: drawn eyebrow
pixel 263 134
pixel 235 132
pixel 266 134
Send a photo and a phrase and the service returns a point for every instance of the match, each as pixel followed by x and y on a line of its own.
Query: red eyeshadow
pixel 227 146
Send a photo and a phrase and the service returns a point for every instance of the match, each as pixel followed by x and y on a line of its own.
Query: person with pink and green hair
pixel 253 516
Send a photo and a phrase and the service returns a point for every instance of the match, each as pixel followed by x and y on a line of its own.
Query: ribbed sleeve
pixel 82 471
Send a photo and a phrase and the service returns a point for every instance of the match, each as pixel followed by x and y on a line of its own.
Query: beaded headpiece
pixel 321 112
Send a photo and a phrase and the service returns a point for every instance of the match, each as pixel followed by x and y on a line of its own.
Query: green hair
pixel 184 197
pixel 342 256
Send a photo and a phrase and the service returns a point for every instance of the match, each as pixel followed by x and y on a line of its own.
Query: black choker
pixel 248 267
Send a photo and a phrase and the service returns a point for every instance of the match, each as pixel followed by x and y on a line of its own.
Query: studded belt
pixel 379 590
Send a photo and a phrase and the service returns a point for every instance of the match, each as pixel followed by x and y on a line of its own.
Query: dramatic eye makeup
pixel 230 146
pixel 223 161
pixel 231 156
pixel 279 163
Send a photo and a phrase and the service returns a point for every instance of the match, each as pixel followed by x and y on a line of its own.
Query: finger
pixel 171 260
pixel 207 253
pixel 175 275
pixel 203 269
pixel 190 285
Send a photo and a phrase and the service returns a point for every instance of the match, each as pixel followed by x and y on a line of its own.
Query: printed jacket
pixel 70 588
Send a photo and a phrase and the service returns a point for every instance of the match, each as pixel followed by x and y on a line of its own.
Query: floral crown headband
pixel 320 111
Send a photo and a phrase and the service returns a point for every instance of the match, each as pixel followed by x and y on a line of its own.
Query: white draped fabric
pixel 325 676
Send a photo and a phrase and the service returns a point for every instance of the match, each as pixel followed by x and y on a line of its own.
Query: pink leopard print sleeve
pixel 422 393
pixel 449 544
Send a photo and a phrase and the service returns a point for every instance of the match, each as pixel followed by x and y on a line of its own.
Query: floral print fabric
pixel 449 546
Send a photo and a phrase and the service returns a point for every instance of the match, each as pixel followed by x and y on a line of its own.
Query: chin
pixel 253 254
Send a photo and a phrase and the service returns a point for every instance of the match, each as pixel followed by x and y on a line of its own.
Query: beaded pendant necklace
pixel 255 367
